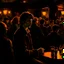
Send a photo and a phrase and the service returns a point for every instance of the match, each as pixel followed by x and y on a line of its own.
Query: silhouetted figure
pixel 37 35
pixel 46 27
pixel 6 50
pixel 20 44
pixel 14 26
pixel 53 38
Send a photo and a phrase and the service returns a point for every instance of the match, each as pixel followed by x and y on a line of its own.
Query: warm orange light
pixel 9 12
pixel 5 12
pixel 44 13
pixel 62 12
pixel 63 50
pixel 0 12
pixel 48 54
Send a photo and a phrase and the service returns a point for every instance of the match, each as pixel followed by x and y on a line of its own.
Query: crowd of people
pixel 23 35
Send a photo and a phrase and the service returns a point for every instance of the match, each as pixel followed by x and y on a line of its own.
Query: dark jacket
pixel 6 51
pixel 54 39
pixel 19 44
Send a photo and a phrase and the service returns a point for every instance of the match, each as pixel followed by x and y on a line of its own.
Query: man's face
pixel 27 23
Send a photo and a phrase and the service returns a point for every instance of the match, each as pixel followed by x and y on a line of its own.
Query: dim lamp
pixel 5 12
pixel 44 13
pixel 0 12
pixel 62 12
pixel 9 12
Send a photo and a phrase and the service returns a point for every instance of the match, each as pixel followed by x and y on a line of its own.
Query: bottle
pixel 52 52
pixel 63 54
pixel 60 50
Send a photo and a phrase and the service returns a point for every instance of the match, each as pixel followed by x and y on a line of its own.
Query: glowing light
pixel 5 12
pixel 0 12
pixel 63 50
pixel 44 13
pixel 62 12
pixel 48 54
pixel 9 12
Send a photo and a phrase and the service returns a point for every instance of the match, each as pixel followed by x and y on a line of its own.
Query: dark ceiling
pixel 32 3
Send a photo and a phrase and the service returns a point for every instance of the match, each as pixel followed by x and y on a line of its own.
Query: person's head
pixel 26 19
pixel 55 28
pixel 3 28
pixel 41 21
pixel 51 22
pixel 6 20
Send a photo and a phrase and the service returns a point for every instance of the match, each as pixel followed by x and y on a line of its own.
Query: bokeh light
pixel 44 13
pixel 9 12
pixel 5 12
pixel 62 12
pixel 0 12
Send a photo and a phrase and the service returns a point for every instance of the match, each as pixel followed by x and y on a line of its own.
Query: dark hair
pixel 5 20
pixel 41 21
pixel 55 28
pixel 33 21
pixel 24 17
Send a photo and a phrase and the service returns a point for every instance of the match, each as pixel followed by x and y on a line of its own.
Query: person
pixel 46 27
pixel 13 27
pixel 6 47
pixel 21 50
pixel 54 38
pixel 37 35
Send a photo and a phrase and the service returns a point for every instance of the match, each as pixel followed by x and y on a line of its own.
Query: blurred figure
pixel 54 38
pixel 20 44
pixel 41 24
pixel 14 26
pixel 7 22
pixel 37 21
pixel 6 50
pixel 46 27
pixel 37 35
pixel 61 32
pixel 51 24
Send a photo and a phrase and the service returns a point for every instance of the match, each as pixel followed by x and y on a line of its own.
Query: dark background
pixel 19 6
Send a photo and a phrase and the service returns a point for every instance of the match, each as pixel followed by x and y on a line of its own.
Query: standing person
pixel 19 41
pixel 37 35
pixel 6 50
pixel 14 26
pixel 54 38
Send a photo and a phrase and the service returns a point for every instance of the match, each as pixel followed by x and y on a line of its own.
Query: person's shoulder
pixel 8 41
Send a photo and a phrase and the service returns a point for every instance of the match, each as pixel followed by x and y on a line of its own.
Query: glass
pixel 52 52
